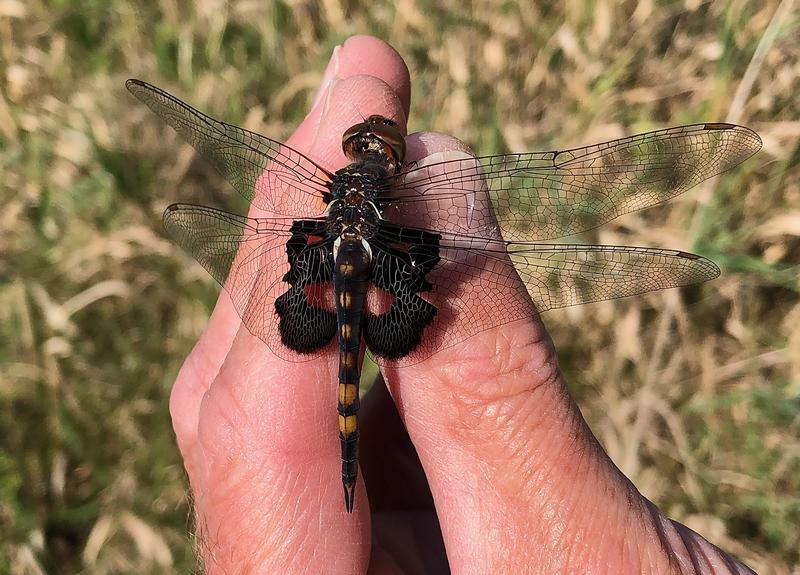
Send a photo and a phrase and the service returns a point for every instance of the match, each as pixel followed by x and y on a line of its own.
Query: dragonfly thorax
pixel 355 189
pixel 352 219
pixel 366 179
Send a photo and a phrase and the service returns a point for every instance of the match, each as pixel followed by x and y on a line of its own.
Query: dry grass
pixel 694 393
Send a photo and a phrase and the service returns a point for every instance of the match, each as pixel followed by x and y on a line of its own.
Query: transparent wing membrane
pixel 271 175
pixel 545 195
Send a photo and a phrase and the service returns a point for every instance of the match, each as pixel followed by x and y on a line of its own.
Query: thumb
pixel 517 477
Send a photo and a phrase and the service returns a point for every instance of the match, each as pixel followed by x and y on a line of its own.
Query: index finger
pixel 266 458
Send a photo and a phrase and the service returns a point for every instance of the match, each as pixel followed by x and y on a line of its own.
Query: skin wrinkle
pixel 695 547
pixel 679 553
pixel 577 510
pixel 231 518
pixel 632 554
pixel 578 551
pixel 512 363
pixel 305 542
pixel 729 562
pixel 700 550
pixel 540 506
pixel 659 529
pixel 549 514
pixel 278 480
pixel 574 444
pixel 533 471
pixel 630 498
pixel 478 414
pixel 524 458
pixel 655 528
pixel 680 547
pixel 509 446
pixel 521 452
pixel 689 546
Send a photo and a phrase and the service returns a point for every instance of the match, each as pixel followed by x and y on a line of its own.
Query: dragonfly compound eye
pixel 375 136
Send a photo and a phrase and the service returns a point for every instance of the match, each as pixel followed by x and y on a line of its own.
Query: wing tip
pixel 711 270
pixel 134 84
pixel 173 209
pixel 754 142
pixel 714 270
pixel 169 212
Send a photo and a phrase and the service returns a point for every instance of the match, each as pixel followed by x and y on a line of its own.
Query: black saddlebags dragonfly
pixel 406 257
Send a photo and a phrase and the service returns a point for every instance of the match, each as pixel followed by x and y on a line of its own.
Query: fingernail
pixel 327 79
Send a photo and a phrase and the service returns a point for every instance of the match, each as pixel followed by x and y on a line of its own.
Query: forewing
pixel 271 175
pixel 482 284
pixel 544 195
pixel 248 257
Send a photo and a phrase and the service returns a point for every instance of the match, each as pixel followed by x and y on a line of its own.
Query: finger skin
pixel 519 482
pixel 259 435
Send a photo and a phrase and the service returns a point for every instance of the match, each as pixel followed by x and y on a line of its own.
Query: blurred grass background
pixel 695 393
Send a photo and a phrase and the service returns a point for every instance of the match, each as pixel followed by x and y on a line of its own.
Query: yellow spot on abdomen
pixel 346 269
pixel 345 299
pixel 348 393
pixel 348 424
pixel 346 359
pixel 347 331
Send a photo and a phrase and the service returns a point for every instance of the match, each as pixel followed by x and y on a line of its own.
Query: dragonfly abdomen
pixel 350 280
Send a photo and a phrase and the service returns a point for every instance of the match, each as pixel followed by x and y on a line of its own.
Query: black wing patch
pixel 402 257
pixel 305 327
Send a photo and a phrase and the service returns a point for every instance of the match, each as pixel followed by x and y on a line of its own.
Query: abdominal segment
pixel 351 276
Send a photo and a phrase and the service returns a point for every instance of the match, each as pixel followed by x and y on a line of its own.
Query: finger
pixel 502 444
pixel 360 55
pixel 388 460
pixel 268 429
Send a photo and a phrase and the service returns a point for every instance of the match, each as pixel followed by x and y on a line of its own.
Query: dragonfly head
pixel 376 138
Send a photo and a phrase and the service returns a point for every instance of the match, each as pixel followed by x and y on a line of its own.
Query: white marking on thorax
pixel 374 207
pixel 364 243
pixel 367 249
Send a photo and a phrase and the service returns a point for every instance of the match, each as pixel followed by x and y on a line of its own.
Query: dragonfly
pixel 405 258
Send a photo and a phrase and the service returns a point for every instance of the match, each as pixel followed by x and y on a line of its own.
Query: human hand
pixel 518 482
